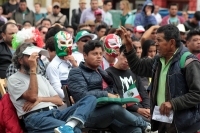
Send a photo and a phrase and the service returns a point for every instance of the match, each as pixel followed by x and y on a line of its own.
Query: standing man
pixel 6 49
pixel 107 6
pixel 156 14
pixel 88 14
pixel 23 14
pixel 172 18
pixel 193 41
pixel 38 14
pixel 193 23
pixel 173 88
pixel 76 14
pixel 57 16
pixel 9 7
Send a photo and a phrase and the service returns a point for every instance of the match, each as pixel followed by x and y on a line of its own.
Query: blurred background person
pixel 76 14
pixel 38 15
pixel 107 6
pixel 9 7
pixel 46 22
pixel 2 18
pixel 43 31
pixel 125 7
pixel 193 23
pixel 156 14
pixel 185 15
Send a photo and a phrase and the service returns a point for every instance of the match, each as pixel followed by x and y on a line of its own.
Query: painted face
pixel 64 43
pixel 112 44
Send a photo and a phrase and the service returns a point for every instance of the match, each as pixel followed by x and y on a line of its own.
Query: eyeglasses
pixel 84 40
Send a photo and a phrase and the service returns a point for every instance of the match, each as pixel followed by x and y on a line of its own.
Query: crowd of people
pixel 157 57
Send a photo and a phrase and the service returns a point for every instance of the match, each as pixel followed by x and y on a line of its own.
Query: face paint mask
pixel 63 44
pixel 111 43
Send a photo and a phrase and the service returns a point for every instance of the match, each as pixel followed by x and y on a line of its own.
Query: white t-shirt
pixel 78 57
pixel 57 71
pixel 107 18
pixel 158 17
pixel 18 83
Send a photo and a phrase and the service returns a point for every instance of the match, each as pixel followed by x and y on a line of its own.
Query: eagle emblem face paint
pixel 63 43
pixel 112 42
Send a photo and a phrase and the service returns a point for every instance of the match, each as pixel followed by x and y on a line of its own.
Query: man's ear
pixel 20 60
pixel 3 35
pixel 84 55
pixel 173 42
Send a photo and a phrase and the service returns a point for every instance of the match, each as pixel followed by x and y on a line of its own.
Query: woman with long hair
pixel 125 7
pixel 148 49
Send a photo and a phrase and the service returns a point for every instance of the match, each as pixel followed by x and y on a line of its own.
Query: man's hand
pixel 32 60
pixel 29 105
pixel 144 112
pixel 113 96
pixel 72 60
pixel 165 108
pixel 123 33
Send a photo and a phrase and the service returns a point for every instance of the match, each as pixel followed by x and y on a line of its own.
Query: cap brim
pixel 93 36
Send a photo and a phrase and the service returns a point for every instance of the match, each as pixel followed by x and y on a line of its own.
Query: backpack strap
pixel 183 59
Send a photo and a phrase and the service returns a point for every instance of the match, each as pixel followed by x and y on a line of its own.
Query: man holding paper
pixel 173 88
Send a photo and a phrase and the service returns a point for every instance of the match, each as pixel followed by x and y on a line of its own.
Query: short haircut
pixel 93 0
pixel 53 31
pixel 45 19
pixel 27 21
pixel 4 27
pixel 50 44
pixel 38 4
pixel 112 31
pixel 173 4
pixel 41 27
pixel 134 39
pixel 91 45
pixel 106 2
pixel 170 32
pixel 122 49
pixel 148 26
pixel 192 33
pixel 18 53
pixel 145 47
pixel 69 26
pixel 22 1
pixel 101 26
pixel 197 15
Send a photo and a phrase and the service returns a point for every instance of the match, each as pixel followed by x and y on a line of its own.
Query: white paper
pixel 32 49
pixel 162 118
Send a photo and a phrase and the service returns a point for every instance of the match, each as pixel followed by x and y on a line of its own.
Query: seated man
pixel 90 79
pixel 36 101
pixel 58 69
pixel 123 79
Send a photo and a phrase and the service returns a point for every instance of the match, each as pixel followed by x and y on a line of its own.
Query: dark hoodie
pixel 142 19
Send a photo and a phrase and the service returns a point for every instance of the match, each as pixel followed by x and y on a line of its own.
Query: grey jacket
pixel 60 18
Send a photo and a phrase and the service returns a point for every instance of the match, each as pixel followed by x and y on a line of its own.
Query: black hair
pixel 101 26
pixel 53 31
pixel 106 2
pixel 41 27
pixel 45 19
pixel 38 4
pixel 173 4
pixel 91 45
pixel 112 30
pixel 2 23
pixel 192 33
pixel 27 21
pixel 4 27
pixel 170 32
pixel 69 26
pixel 145 47
pixel 22 1
pixel 197 15
pixel 50 44
pixel 148 26
pixel 122 49
pixel 134 39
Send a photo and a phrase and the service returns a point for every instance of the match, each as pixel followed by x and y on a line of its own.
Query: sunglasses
pixel 84 40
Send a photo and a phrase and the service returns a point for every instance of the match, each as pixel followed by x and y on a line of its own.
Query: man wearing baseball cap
pixel 57 16
pixel 98 18
pixel 138 31
pixel 81 38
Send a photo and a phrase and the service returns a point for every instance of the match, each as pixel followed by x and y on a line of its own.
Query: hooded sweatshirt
pixel 143 19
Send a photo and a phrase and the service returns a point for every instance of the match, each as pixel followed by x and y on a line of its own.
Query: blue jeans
pixel 46 121
pixel 116 116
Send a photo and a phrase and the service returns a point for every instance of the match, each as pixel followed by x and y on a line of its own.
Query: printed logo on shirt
pixel 126 82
